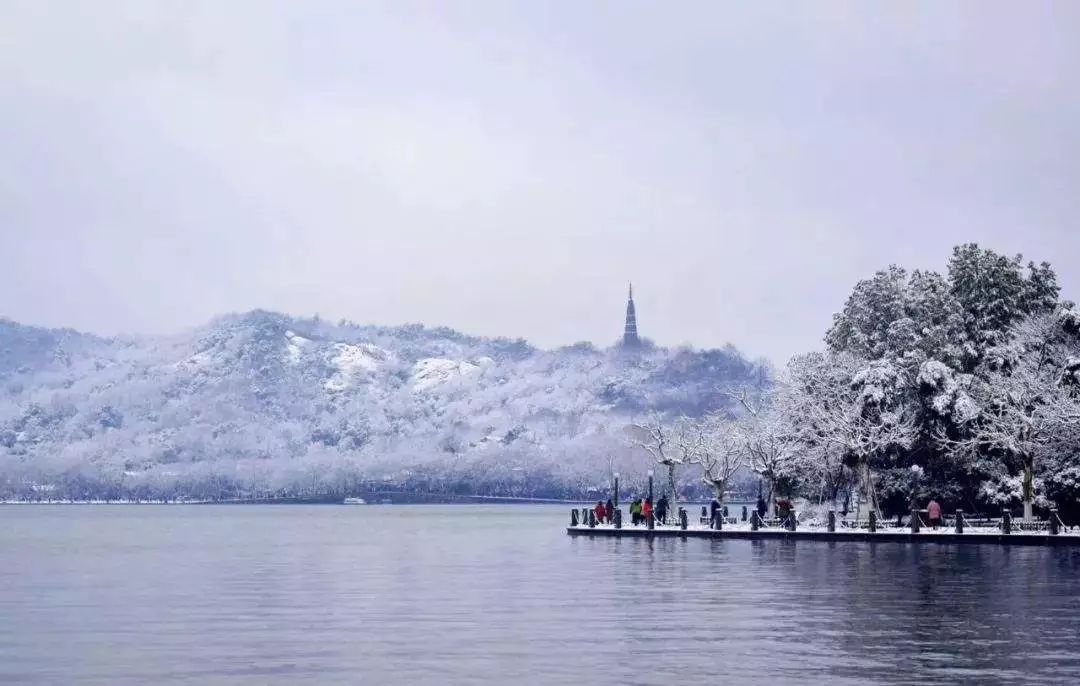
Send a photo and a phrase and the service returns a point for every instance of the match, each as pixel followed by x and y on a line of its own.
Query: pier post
pixel 682 518
pixel 755 521
pixel 1006 522
pixel 832 521
pixel 651 521
pixel 585 515
pixel 615 501
pixel 650 486
pixel 914 520
pixel 573 517
pixel 592 519
pixel 618 518
pixel 744 513
pixel 1054 521
pixel 959 521
pixel 873 521
pixel 718 521
pixel 705 514
pixel 790 523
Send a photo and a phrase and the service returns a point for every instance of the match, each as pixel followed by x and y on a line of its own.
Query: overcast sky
pixel 506 168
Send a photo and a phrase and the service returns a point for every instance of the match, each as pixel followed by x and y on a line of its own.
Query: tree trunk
pixel 771 503
pixel 719 487
pixel 1029 488
pixel 672 495
pixel 868 488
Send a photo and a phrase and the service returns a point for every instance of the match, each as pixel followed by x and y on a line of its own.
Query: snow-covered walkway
pixel 743 530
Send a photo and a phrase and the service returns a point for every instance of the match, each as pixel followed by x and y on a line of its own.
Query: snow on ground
pixel 353 361
pixel 294 346
pixel 891 531
pixel 433 371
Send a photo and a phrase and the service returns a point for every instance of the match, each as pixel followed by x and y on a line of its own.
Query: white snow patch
pixel 294 346
pixel 434 371
pixel 353 361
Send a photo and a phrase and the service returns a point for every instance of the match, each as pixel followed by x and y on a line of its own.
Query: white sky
pixel 506 168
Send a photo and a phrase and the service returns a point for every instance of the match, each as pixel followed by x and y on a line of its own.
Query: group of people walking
pixel 605 512
pixel 641 511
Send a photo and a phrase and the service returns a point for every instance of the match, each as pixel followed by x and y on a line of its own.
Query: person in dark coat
pixel 661 510
pixel 714 507
pixel 784 508
pixel 610 507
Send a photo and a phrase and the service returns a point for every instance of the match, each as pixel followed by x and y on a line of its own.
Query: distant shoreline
pixel 374 499
pixel 393 500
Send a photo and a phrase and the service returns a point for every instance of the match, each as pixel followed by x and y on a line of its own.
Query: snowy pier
pixel 752 530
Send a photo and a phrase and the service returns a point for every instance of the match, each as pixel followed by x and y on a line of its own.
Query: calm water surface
pixel 497 594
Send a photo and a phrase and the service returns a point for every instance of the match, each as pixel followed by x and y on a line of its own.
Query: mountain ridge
pixel 266 403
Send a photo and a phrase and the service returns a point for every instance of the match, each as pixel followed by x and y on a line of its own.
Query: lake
pixel 429 594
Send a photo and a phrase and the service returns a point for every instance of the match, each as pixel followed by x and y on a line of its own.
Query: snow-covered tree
pixel 905 319
pixel 767 437
pixel 996 292
pixel 860 408
pixel 1027 402
pixel 716 446
pixel 657 437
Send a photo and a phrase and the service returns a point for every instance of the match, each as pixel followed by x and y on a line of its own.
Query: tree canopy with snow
pixel 961 387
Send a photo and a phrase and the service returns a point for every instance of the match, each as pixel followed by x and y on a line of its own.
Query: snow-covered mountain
pixel 263 403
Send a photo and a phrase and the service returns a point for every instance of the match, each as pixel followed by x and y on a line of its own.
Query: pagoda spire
pixel 630 334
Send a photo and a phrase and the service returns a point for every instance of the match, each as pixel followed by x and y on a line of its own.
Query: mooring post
pixel 791 522
pixel 873 521
pixel 682 518
pixel 573 517
pixel 1054 521
pixel 704 513
pixel 914 520
pixel 719 526
pixel 744 513
pixel 592 519
pixel 754 521
pixel 618 518
pixel 651 521
pixel 1006 522
pixel 959 521
pixel 832 521
pixel 585 515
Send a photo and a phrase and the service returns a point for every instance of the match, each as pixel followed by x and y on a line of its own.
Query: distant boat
pixel 355 501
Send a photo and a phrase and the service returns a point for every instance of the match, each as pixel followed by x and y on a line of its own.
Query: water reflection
pixel 493 594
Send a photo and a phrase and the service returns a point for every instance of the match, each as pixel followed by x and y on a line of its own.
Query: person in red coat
pixel 646 510
pixel 933 513
pixel 601 511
